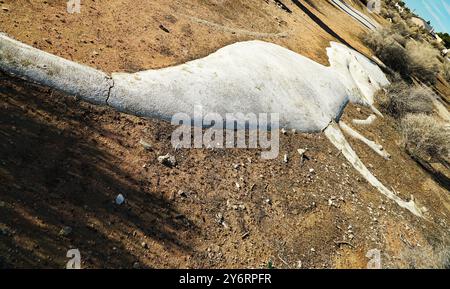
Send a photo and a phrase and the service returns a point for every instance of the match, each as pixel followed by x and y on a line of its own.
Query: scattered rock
pixel 303 157
pixel 65 231
pixel 145 144
pixel 120 199
pixel 221 220
pixel 136 265
pixel 144 245
pixel 283 131
pixel 182 194
pixel 167 160
pixel 285 158
pixel 5 231
pixel 5 8
pixel 164 28
pixel 302 152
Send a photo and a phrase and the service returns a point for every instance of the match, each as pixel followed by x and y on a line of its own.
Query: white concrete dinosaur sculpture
pixel 245 77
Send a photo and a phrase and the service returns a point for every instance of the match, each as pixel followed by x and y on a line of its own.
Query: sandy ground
pixel 63 161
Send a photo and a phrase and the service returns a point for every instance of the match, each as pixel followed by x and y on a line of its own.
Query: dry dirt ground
pixel 63 161
pixel 127 35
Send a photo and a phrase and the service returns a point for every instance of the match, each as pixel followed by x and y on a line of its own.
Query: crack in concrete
pixel 111 86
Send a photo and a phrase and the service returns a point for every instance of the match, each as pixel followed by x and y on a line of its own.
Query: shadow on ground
pixel 53 174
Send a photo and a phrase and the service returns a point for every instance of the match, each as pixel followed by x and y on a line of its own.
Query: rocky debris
pixel 120 199
pixel 167 160
pixel 5 8
pixel 238 206
pixel 303 156
pixel 182 194
pixel 302 152
pixel 144 245
pixel 5 231
pixel 163 28
pixel 283 131
pixel 48 41
pixel 136 265
pixel 340 243
pixel 285 159
pixel 145 144
pixel 65 231
pixel 334 202
pixel 221 220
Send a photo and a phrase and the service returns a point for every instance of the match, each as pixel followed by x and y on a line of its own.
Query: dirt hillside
pixel 64 161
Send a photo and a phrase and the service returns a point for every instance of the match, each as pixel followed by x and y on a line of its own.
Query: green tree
pixel 446 38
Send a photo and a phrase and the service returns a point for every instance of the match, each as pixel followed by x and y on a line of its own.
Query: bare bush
pixel 425 137
pixel 399 99
pixel 426 257
pixel 387 47
pixel 407 57
pixel 423 62
pixel 446 71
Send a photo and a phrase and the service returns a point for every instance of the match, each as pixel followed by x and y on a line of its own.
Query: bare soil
pixel 64 161
pixel 126 35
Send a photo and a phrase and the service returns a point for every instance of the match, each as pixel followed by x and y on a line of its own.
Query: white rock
pixel 167 160
pixel 120 199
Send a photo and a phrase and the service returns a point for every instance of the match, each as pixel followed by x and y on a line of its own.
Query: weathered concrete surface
pixel 254 76
pixel 246 77
pixel 53 71
pixel 334 134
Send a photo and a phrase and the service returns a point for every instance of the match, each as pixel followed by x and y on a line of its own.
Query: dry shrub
pixel 423 62
pixel 425 137
pixel 426 257
pixel 404 56
pixel 399 99
pixel 388 48
pixel 446 71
